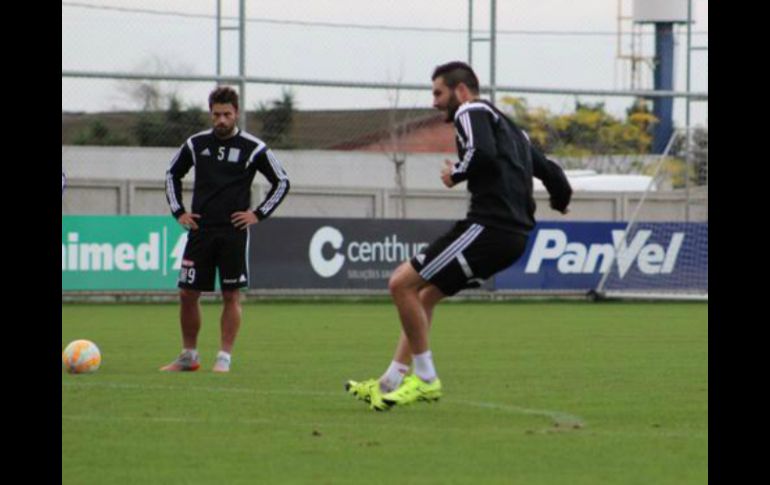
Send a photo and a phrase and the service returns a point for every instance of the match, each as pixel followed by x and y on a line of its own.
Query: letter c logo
pixel 326 267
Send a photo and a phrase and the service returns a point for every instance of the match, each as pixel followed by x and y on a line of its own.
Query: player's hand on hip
pixel 446 173
pixel 242 220
pixel 188 220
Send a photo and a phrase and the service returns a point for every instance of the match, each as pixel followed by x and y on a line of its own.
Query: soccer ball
pixel 81 357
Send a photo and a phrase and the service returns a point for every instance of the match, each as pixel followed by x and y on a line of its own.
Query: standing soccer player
pixel 497 161
pixel 226 160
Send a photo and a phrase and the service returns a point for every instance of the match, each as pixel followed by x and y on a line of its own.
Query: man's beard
pixel 223 131
pixel 452 106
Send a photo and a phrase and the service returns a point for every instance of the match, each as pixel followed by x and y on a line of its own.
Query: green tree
pixel 277 119
pixel 97 133
pixel 170 127
pixel 699 157
pixel 589 130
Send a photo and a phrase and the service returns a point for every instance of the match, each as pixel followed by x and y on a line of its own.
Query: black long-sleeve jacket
pixel 224 172
pixel 498 161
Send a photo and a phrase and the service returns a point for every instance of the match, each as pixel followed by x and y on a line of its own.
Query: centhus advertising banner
pixel 313 253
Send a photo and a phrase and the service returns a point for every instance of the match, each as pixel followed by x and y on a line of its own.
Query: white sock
pixel 423 366
pixel 223 354
pixel 193 352
pixel 393 377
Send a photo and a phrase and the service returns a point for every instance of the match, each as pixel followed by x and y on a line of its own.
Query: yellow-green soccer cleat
pixel 413 389
pixel 362 390
pixel 375 399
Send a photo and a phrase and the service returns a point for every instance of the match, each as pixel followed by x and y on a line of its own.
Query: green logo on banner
pixel 121 252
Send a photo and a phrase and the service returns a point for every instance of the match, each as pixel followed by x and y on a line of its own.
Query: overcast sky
pixel 95 37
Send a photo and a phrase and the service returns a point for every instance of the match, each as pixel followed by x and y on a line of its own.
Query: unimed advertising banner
pixel 121 252
pixel 145 253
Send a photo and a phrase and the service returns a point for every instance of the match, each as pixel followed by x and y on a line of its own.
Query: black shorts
pixel 209 249
pixel 467 255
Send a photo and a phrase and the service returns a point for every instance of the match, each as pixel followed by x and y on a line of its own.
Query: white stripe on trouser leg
pixel 248 242
pixel 446 256
pixel 465 266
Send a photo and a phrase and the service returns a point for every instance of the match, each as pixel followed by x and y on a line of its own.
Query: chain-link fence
pixel 343 82
pixel 181 39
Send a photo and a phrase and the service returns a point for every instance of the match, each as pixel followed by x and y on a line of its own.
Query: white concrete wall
pixel 130 180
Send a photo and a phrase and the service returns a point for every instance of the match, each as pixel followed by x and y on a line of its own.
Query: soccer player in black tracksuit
pixel 225 160
pixel 497 161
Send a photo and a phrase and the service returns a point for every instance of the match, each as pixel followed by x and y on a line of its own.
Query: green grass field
pixel 534 393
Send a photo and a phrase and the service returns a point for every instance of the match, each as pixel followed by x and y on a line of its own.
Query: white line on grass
pixel 657 433
pixel 157 387
pixel 558 417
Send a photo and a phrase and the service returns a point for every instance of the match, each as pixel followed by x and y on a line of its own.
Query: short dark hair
pixel 456 72
pixel 223 95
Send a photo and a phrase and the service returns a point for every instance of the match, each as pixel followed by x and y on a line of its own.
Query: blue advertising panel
pixel 575 255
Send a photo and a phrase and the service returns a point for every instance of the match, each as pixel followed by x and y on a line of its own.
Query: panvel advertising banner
pixel 575 255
